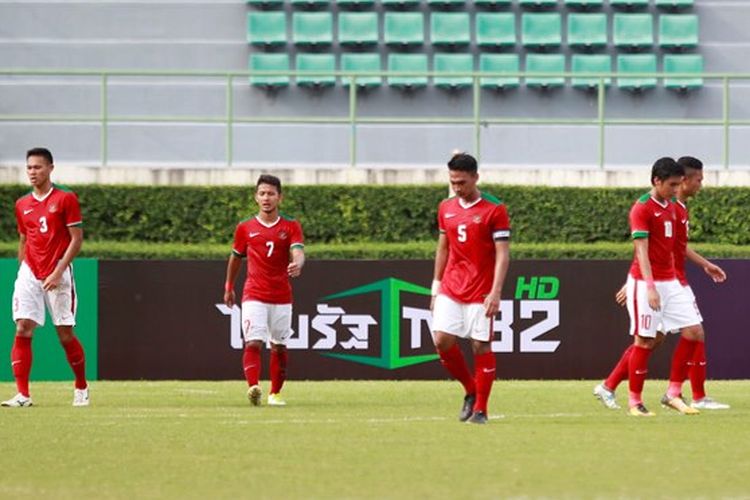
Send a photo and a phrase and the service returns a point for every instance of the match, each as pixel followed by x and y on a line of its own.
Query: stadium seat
pixel 590 63
pixel 584 4
pixel 541 31
pixel 629 4
pixel 446 3
pixel 325 64
pixel 450 28
pixel 269 62
pixel 312 28
pixel 678 31
pixel 499 63
pixel 492 3
pixel 310 3
pixel 683 63
pixel 553 63
pixel 407 62
pixel 265 3
pixel 362 62
pixel 495 29
pixel 355 4
pixel 453 63
pixel 673 4
pixel 633 31
pixel 403 28
pixel 538 4
pixel 587 31
pixel 266 28
pixel 400 3
pixel 358 28
pixel 636 63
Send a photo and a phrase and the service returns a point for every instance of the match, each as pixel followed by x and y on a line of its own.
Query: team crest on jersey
pixel 477 219
pixel 52 208
pixel 283 235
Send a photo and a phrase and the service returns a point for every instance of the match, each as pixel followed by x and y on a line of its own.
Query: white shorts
pixel 461 320
pixel 266 322
pixel 678 308
pixel 29 298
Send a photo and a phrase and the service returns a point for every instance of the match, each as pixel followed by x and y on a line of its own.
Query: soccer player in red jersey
pixel 471 262
pixel 274 247
pixel 50 236
pixel 655 299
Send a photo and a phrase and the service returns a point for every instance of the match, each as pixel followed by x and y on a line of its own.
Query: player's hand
pixel 51 282
pixel 229 298
pixel 293 270
pixel 621 296
pixel 432 303
pixel 654 301
pixel 491 305
pixel 715 272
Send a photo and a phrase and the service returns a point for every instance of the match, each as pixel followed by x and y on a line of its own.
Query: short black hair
pixel 463 162
pixel 689 162
pixel 666 167
pixel 271 180
pixel 43 152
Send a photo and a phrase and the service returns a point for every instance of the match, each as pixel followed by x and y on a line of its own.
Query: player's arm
pixel 441 260
pixel 641 253
pixel 715 272
pixel 298 261
pixel 76 240
pixel 233 269
pixel 21 247
pixel 502 261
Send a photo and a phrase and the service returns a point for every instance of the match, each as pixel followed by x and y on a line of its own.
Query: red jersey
pixel 267 248
pixel 471 231
pixel 655 221
pixel 682 228
pixel 45 222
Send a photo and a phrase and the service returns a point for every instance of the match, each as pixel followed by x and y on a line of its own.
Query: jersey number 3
pixel 43 224
pixel 462 233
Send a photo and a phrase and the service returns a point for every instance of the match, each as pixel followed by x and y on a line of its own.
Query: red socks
pixel 251 364
pixel 20 360
pixel 638 369
pixel 454 362
pixel 484 376
pixel 77 361
pixel 683 354
pixel 697 371
pixel 278 370
pixel 620 371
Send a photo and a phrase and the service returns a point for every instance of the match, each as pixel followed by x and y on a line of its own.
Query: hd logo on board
pixel 343 325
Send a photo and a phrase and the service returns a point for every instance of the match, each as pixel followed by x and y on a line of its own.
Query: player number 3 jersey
pixel 472 231
pixel 267 248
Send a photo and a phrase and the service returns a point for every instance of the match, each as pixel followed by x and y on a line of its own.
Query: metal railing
pixel 104 117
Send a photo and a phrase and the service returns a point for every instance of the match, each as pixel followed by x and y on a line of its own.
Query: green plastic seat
pixel 266 28
pixel 552 63
pixel 633 31
pixel 403 28
pixel 311 3
pixel 361 62
pixel 629 4
pixel 587 31
pixel 584 4
pixel 407 62
pixel 400 4
pixel 444 64
pixel 590 63
pixel 446 3
pixel 683 63
pixel 673 4
pixel 265 3
pixel 636 63
pixel 541 30
pixel 678 31
pixel 492 4
pixel 355 4
pixel 358 28
pixel 323 64
pixel 538 4
pixel 269 62
pixel 312 28
pixel 495 29
pixel 499 63
pixel 450 28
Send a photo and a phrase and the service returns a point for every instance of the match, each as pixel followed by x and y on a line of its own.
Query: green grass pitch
pixel 367 440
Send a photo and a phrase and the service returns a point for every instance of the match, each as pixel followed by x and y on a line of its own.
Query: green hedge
pixel 335 214
pixel 410 250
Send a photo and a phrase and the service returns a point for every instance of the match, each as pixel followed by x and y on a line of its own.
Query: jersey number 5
pixel 462 233
pixel 269 244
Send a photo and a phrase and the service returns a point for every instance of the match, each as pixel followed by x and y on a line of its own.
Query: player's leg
pixel 644 323
pixel 255 333
pixel 481 329
pixel 448 324
pixel 281 330
pixel 28 312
